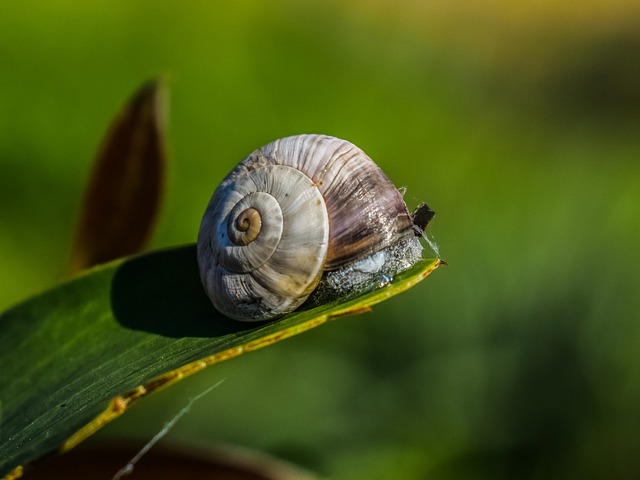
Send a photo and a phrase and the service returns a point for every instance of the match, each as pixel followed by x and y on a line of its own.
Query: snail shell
pixel 299 212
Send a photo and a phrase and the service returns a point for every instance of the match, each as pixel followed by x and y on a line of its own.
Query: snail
pixel 304 218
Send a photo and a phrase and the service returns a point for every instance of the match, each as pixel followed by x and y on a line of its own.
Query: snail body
pixel 308 215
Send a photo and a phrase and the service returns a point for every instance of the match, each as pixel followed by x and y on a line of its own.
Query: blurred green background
pixel 517 121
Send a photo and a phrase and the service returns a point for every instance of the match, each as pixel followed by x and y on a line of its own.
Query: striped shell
pixel 289 212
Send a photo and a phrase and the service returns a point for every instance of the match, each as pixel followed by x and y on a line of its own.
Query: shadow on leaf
pixel 161 293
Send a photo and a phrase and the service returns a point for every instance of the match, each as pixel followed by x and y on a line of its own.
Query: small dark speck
pixel 422 215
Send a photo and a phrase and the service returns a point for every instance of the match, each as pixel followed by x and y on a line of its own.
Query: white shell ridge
pixel 366 211
pixel 275 272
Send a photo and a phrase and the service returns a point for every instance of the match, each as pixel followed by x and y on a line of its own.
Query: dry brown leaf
pixel 125 189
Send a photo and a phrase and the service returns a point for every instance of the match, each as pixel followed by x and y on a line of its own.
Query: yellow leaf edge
pixel 119 405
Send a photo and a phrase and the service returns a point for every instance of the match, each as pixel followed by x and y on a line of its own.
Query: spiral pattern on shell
pixel 292 210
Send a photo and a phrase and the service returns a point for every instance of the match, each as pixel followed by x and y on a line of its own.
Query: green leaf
pixel 125 189
pixel 79 355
